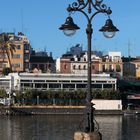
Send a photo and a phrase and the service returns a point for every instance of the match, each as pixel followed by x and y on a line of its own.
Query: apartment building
pixel 75 62
pixel 19 60
pixel 112 64
pixel 131 67
pixel 42 62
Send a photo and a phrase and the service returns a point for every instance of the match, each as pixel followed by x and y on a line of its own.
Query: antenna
pixel 129 45
pixel 45 48
pixel 14 30
pixel 130 48
pixel 95 47
pixel 1 30
pixel 116 46
pixel 22 20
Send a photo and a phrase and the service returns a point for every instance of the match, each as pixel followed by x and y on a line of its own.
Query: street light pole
pixel 69 28
pixel 89 32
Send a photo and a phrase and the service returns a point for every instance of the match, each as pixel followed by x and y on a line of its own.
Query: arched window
pixel 65 66
pixel 79 67
pixel 84 67
pixel 93 67
pixel 74 67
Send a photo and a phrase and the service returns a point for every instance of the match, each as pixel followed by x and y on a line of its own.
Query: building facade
pixel 77 63
pixel 21 55
pixel 131 67
pixel 42 62
pixel 46 81
pixel 112 64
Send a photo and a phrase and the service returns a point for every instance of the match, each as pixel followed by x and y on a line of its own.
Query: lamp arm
pixel 99 6
pixel 80 5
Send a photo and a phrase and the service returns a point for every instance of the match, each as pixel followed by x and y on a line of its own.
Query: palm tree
pixel 7 47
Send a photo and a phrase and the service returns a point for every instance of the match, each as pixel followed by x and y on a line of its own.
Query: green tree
pixel 118 68
pixel 6 71
pixel 3 93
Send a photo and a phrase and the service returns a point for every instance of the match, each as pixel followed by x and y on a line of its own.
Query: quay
pixel 46 110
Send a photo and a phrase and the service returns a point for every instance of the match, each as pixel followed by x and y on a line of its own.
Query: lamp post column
pixel 89 32
pixel 69 28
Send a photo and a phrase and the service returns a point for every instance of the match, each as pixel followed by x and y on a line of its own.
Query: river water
pixel 62 127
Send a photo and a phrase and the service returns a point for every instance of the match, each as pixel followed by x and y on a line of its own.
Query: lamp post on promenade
pixel 69 28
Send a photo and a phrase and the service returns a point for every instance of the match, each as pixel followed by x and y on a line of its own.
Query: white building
pixel 115 56
pixel 45 81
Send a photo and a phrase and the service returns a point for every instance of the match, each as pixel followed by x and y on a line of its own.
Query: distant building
pixel 75 62
pixel 131 67
pixel 112 64
pixel 49 81
pixel 20 58
pixel 42 62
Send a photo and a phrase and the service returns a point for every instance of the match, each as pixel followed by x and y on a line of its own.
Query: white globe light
pixel 69 32
pixel 109 34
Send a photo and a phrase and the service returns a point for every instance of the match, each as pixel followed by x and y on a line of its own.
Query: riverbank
pixel 44 110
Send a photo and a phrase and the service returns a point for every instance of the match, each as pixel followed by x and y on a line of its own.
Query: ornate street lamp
pixel 69 28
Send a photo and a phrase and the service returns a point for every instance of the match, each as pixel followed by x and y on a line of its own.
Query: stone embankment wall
pixel 38 110
pixel 34 110
pixel 101 107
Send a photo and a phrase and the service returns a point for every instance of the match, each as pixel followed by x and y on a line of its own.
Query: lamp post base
pixel 87 136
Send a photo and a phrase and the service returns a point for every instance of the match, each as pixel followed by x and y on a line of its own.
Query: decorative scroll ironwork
pixel 98 6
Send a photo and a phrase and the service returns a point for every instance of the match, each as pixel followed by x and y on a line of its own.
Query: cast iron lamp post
pixel 69 28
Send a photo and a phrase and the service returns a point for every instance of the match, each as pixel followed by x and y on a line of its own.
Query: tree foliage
pixel 3 93
pixel 64 97
pixel 6 71
pixel 7 47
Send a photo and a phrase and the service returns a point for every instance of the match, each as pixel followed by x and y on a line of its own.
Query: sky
pixel 39 20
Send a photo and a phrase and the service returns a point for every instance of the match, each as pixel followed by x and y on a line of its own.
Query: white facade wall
pixel 77 70
pixel 115 56
pixel 58 65
pixel 45 81
pixel 107 104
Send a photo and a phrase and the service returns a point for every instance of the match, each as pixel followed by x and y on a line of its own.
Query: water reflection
pixel 110 127
pixel 62 127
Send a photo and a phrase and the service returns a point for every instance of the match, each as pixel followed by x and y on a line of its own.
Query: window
pixel 2 65
pixel 16 56
pixel 65 66
pixel 117 58
pixel 74 67
pixel 2 56
pixel 138 65
pixel 103 68
pixel 26 56
pixel 17 65
pixel 26 65
pixel 93 67
pixel 26 47
pixel 79 67
pixel 110 67
pixel 18 47
pixel 84 67
pixel 49 66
